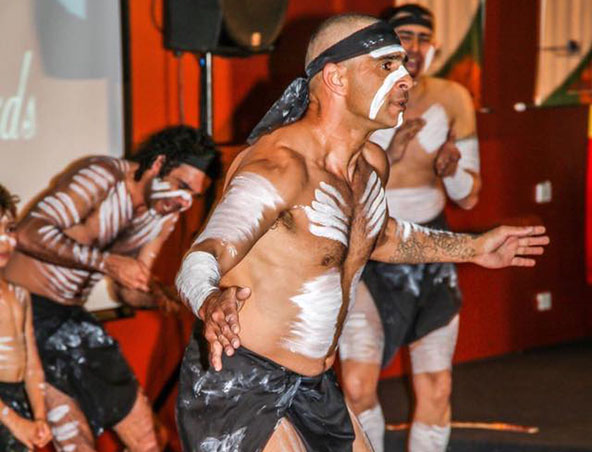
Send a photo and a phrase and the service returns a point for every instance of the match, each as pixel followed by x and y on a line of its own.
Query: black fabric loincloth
pixel 412 300
pixel 238 408
pixel 80 359
pixel 14 396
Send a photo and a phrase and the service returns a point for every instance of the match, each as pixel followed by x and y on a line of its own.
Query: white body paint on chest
pixel 374 203
pixel 435 131
pixel 198 277
pixel 326 215
pixel 241 210
pixel 312 332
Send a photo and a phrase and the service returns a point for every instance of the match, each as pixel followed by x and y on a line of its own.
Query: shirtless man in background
pixel 434 155
pixel 273 273
pixel 103 216
pixel 23 423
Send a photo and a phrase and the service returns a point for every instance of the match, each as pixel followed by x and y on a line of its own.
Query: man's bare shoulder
pixel 272 159
pixel 100 168
pixel 377 158
pixel 451 93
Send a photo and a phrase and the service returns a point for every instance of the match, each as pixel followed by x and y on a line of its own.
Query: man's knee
pixel 434 388
pixel 360 390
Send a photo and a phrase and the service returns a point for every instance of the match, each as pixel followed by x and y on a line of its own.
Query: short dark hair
pixel 8 201
pixel 178 144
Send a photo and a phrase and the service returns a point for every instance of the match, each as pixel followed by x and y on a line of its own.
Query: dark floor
pixel 548 388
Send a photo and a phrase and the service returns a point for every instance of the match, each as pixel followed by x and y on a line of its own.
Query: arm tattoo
pixel 427 245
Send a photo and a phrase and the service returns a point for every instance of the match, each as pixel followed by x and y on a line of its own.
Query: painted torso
pixel 109 223
pixel 302 270
pixel 14 303
pixel 414 172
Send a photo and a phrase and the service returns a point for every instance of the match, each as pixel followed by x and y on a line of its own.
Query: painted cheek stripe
pixel 385 88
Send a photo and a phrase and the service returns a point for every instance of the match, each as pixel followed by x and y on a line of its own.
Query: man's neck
pixel 418 90
pixel 340 140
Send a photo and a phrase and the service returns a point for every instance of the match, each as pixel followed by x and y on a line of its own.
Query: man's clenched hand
pixel 221 328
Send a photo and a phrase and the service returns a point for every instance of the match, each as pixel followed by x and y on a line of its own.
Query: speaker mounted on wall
pixel 223 27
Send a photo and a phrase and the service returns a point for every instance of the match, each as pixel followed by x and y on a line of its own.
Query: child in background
pixel 21 375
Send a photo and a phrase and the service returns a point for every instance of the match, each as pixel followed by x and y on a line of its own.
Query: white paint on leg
pixel 57 414
pixel 428 438
pixel 372 421
pixel 65 431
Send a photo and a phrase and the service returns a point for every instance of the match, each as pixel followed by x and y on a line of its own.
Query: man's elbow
pixel 27 238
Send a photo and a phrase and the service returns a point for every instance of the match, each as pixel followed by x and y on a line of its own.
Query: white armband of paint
pixel 469 153
pixel 198 277
pixel 459 185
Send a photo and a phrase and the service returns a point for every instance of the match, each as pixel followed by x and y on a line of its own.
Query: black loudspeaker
pixel 223 27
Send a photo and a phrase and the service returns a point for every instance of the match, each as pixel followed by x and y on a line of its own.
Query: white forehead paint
pixel 162 189
pixel 198 277
pixel 435 131
pixel 384 89
pixel 326 216
pixel 382 51
pixel 56 414
pixel 429 58
pixel 241 210
pixel 469 153
pixel 66 431
pixel 374 209
pixel 319 300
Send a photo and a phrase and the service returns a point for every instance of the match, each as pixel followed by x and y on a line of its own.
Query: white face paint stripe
pixel 435 131
pixel 7 238
pixel 320 300
pixel 240 212
pixel 198 277
pixel 384 89
pixel 382 51
pixel 429 58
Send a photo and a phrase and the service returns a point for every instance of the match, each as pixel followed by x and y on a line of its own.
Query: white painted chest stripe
pixel 241 210
pixel 326 216
pixel 319 300
pixel 374 201
pixel 435 131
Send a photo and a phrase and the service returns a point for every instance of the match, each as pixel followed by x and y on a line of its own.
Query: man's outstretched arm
pixel 254 197
pixel 404 242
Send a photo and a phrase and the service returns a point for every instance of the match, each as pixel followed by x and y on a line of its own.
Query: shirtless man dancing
pixel 103 216
pixel 417 304
pixel 273 272
pixel 23 423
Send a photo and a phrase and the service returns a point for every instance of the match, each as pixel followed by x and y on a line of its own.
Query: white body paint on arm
pixel 198 277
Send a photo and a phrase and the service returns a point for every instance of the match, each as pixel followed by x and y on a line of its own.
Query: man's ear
pixel 334 78
pixel 157 165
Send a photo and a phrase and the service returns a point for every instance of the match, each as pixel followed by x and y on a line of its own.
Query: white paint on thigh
pixel 56 414
pixel 65 431
pixel 320 300
pixel 433 352
pixel 362 337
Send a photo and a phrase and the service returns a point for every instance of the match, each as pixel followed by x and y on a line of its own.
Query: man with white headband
pixel 103 216
pixel 273 273
pixel 433 156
